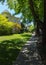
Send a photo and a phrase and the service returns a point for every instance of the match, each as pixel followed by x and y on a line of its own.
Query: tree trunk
pixel 36 17
pixel 43 54
pixel 43 27
pixel 37 29
pixel 43 44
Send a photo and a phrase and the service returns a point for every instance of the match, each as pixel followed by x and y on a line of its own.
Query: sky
pixel 4 7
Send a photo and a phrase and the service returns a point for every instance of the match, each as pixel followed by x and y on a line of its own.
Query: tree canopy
pixel 26 7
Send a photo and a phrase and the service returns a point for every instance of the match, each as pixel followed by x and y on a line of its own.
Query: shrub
pixel 3 22
pixel 17 28
pixel 7 27
pixel 4 29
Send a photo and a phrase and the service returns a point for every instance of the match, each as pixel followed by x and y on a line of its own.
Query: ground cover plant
pixel 10 47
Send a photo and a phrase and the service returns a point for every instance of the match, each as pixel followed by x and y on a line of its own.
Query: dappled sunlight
pixel 10 47
pixel 9 50
pixel 29 55
pixel 15 36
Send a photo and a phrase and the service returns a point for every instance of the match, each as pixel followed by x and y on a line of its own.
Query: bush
pixel 17 28
pixel 4 29
pixel 7 27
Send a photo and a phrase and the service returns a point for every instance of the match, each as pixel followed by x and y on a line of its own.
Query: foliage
pixel 15 36
pixel 10 47
pixel 31 9
pixel 31 28
pixel 17 27
pixel 3 25
pixel 18 7
pixel 39 8
pixel 25 8
pixel 7 27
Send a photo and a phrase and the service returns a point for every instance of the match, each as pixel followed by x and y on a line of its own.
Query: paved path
pixel 29 54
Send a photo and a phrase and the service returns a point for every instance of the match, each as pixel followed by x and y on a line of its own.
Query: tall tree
pixel 30 9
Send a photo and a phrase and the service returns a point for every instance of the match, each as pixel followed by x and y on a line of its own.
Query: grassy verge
pixel 10 47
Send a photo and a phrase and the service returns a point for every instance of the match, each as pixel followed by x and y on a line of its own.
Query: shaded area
pixel 25 35
pixel 29 54
pixel 9 50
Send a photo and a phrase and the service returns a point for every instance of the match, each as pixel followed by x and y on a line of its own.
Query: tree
pixel 30 9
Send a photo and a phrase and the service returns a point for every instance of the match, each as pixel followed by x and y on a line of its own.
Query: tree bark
pixel 44 35
pixel 43 27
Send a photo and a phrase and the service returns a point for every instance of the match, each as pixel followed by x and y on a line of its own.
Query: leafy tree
pixel 30 9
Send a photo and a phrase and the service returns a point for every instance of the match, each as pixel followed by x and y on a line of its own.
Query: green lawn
pixel 10 47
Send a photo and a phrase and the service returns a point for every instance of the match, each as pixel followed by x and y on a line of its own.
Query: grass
pixel 10 47
pixel 15 36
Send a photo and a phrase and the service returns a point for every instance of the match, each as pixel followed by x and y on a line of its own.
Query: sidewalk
pixel 29 54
